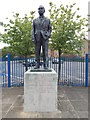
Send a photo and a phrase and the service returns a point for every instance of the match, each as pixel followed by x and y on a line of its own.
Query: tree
pixel 17 33
pixel 67 29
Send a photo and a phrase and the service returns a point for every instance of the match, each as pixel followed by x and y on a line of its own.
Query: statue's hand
pixel 33 41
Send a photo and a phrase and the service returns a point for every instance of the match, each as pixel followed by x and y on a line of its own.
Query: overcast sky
pixel 25 6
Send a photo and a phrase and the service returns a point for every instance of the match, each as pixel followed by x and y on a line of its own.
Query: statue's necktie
pixel 41 20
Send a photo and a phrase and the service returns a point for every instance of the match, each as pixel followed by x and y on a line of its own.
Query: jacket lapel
pixel 43 20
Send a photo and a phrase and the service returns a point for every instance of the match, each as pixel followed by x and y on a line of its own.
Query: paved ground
pixel 72 103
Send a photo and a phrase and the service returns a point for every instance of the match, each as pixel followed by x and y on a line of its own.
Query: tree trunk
pixel 26 67
pixel 59 51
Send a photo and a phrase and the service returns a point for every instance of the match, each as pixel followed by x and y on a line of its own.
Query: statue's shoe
pixel 37 67
pixel 45 67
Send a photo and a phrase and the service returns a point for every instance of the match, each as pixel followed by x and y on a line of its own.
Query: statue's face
pixel 41 10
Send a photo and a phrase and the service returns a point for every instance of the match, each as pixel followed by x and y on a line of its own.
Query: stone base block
pixel 40 91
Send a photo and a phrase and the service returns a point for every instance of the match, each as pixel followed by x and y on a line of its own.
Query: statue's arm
pixel 33 31
pixel 50 28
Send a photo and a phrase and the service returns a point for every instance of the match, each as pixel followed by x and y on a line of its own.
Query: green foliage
pixel 67 28
pixel 17 33
pixel 7 50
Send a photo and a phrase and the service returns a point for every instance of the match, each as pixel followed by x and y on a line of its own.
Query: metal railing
pixel 73 71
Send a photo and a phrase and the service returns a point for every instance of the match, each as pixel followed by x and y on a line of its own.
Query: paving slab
pixel 80 105
pixel 82 114
pixel 69 114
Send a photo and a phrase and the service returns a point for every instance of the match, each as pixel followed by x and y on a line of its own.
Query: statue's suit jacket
pixel 41 27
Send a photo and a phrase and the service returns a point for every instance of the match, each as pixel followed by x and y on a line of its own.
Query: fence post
pixel 86 84
pixel 9 81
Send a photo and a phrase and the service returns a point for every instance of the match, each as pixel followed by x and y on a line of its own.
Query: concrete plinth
pixel 40 91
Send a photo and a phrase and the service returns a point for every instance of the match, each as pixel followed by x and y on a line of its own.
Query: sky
pixel 25 6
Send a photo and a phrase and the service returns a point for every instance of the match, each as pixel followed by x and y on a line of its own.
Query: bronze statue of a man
pixel 41 32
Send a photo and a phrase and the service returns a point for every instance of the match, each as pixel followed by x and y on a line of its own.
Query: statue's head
pixel 41 10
